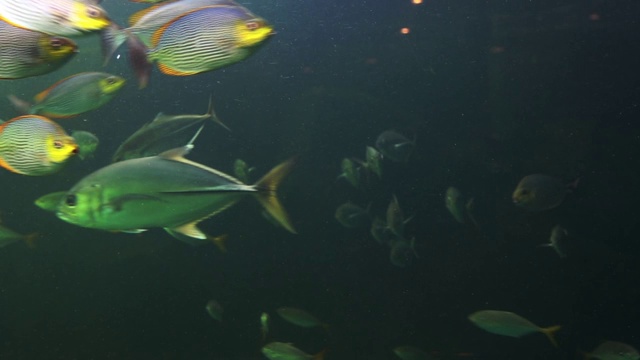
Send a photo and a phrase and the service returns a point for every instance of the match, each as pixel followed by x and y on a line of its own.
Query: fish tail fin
pixel 20 105
pixel 214 117
pixel 139 60
pixel 550 332
pixel 111 38
pixel 266 194
pixel 220 242
pixel 320 355
pixel 30 239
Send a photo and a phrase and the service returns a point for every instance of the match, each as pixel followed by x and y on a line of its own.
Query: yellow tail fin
pixel 266 194
pixel 550 331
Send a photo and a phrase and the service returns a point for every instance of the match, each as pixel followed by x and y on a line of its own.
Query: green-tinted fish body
pixel 87 143
pixel 402 252
pixel 374 160
pixel 166 191
pixel 241 170
pixel 284 351
pixel 163 133
pixel 538 192
pixel 351 215
pixel 25 53
pixel 299 317
pixel 614 350
pixel 350 171
pixel 380 231
pixel 395 146
pixel 207 39
pixel 455 204
pixel 411 353
pixel 214 309
pixel 509 324
pixel 76 94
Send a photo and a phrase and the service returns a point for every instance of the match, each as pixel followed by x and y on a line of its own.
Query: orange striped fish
pixel 207 39
pixel 34 145
pixel 54 17
pixel 25 53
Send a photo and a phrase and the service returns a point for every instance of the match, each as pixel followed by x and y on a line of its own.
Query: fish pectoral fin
pixel 189 230
pixel 134 231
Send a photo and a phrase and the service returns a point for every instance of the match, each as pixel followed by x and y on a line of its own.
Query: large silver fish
pixel 166 191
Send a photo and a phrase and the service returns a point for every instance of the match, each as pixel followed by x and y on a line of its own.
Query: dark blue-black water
pixel 491 91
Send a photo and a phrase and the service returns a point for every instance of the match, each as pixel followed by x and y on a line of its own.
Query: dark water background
pixel 491 90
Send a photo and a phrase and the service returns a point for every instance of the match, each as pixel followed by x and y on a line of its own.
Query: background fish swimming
pixel 25 53
pixel 73 95
pixel 163 133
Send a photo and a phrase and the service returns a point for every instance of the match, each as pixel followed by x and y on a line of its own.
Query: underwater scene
pixel 288 180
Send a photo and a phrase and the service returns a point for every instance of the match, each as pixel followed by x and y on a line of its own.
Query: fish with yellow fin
pixel 166 191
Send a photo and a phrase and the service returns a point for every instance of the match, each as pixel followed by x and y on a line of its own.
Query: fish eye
pixel 71 200
pixel 55 43
pixel 252 25
pixel 58 144
pixel 93 13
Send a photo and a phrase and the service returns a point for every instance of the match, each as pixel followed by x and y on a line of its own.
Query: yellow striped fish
pixel 34 145
pixel 73 95
pixel 54 17
pixel 25 53
pixel 207 39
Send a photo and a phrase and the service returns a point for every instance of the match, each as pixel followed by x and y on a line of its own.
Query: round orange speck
pixel 404 30
pixel 417 2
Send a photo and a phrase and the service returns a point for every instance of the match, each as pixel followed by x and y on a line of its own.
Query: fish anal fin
pixel 190 230
pixel 165 69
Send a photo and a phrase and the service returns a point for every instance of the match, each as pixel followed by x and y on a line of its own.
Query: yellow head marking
pixel 60 148
pixel 111 84
pixel 55 48
pixel 88 17
pixel 252 32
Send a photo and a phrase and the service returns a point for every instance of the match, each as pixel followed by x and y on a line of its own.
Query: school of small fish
pixel 151 183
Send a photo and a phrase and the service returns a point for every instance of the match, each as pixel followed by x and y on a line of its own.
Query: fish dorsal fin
pixel 133 19
pixel 190 230
pixel 42 95
pixel 177 154
pixel 159 117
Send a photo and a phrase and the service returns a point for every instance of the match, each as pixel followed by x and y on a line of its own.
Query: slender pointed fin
pixel 213 115
pixel 190 230
pixel 186 239
pixel 266 195
pixel 550 332
pixel 176 153
pixel 20 105
pixel 220 242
